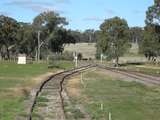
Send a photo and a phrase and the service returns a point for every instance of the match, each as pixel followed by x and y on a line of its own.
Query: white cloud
pixel 36 6
pixel 5 13
pixel 93 18
pixel 110 12
pixel 138 12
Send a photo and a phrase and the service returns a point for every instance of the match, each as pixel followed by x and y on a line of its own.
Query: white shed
pixel 22 59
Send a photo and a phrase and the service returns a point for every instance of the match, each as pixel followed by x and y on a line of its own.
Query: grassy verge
pixel 65 65
pixel 124 100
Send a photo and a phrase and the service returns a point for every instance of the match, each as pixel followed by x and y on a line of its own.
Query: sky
pixel 81 14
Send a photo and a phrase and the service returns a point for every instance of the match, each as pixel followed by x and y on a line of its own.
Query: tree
pixel 59 38
pixel 8 30
pixel 52 32
pixel 150 46
pixel 153 14
pixel 114 37
pixel 27 39
pixel 48 21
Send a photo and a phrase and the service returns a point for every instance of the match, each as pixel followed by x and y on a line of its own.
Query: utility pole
pixel 101 58
pixel 76 61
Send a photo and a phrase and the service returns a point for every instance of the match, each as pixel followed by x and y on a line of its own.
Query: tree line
pixel 47 32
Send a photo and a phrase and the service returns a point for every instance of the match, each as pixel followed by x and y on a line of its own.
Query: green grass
pixel 125 100
pixel 13 76
pixel 5 83
pixel 10 106
pixel 14 70
pixel 65 65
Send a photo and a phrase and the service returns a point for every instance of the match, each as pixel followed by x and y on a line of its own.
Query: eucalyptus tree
pixel 8 31
pixel 51 27
pixel 150 45
pixel 27 39
pixel 114 37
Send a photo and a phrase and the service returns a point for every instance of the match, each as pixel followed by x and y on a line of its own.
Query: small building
pixel 22 59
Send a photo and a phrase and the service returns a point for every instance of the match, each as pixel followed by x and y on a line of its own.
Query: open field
pixel 16 81
pixel 87 50
pixel 125 100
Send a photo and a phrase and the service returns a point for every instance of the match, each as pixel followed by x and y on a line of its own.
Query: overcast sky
pixel 81 14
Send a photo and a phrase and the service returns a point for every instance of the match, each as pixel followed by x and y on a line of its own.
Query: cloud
pixel 27 3
pixel 62 1
pixel 138 12
pixel 5 13
pixel 39 8
pixel 93 18
pixel 110 12
pixel 36 6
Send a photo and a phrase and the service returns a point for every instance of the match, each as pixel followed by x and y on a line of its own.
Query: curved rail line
pixel 62 76
pixel 133 74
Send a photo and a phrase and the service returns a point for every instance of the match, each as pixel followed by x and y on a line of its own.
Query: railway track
pixel 135 75
pixel 47 102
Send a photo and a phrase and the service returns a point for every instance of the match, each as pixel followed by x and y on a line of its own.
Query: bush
pixel 54 60
pixel 61 56
pixel 79 56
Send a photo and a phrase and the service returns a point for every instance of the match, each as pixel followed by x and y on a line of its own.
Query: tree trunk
pixel 117 61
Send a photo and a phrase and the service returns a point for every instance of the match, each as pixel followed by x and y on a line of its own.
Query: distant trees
pixel 87 36
pixel 113 38
pixel 136 34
